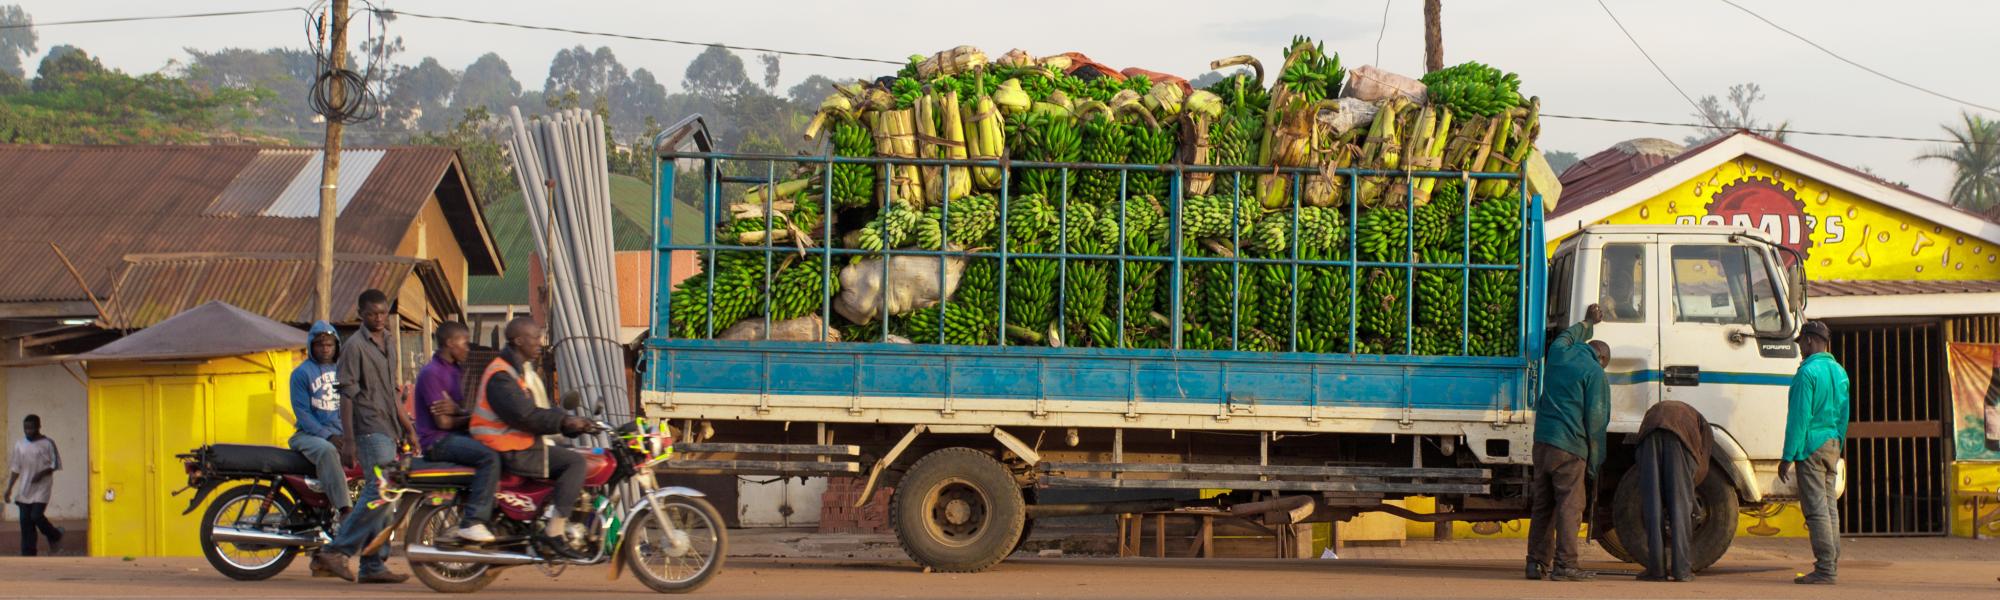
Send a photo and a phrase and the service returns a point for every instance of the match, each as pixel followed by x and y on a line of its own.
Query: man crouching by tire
pixel 1672 460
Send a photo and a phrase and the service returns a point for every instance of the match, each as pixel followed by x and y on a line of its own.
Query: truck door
pixel 1619 273
pixel 1725 341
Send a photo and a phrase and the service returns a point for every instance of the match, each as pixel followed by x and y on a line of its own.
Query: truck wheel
pixel 958 511
pixel 1715 508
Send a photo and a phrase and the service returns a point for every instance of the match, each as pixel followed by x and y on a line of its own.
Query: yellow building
pixel 1900 276
pixel 214 374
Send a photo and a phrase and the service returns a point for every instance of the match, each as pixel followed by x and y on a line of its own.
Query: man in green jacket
pixel 1570 417
pixel 1815 426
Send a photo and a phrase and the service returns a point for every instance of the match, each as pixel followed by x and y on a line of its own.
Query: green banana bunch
pixel 1381 314
pixel 1105 141
pixel 853 184
pixel 973 221
pixel 895 227
pixel 963 324
pixel 1494 303
pixel 1213 217
pixel 1496 231
pixel 1151 145
pixel 1310 74
pixel 1234 137
pixel 1473 88
pixel 1438 290
pixel 1046 136
pixel 1383 235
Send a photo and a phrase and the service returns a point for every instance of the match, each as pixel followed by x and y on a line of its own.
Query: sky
pixel 1568 52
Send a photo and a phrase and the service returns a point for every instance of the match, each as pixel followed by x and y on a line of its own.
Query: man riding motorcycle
pixel 513 416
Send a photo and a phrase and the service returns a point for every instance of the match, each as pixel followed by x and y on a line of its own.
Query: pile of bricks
pixel 837 513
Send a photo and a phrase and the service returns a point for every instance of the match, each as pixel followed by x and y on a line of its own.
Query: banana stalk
pixel 1524 142
pixel 836 104
pixel 986 136
pixel 1434 154
pixel 895 137
pixel 1417 149
pixel 785 190
pixel 951 119
pixel 1195 131
pixel 1011 98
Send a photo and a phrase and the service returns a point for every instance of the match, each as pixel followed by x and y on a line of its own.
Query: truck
pixel 973 437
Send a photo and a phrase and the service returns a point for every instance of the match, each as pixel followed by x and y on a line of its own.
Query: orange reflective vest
pixel 486 425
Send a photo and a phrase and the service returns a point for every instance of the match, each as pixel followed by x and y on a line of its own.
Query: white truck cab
pixel 1700 314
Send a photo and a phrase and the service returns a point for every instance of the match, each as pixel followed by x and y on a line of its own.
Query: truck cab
pixel 1705 315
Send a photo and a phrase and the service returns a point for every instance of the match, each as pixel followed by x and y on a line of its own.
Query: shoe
pixel 1684 578
pixel 1813 578
pixel 1571 574
pixel 558 546
pixel 56 543
pixel 384 576
pixel 1651 577
pixel 475 533
pixel 1537 571
pixel 334 563
pixel 318 570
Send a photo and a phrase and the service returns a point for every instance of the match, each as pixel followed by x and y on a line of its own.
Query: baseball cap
pixel 1816 329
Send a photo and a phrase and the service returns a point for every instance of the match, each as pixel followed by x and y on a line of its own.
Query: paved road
pixel 1043 578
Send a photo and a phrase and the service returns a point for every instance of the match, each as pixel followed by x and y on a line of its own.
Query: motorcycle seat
pixel 267 460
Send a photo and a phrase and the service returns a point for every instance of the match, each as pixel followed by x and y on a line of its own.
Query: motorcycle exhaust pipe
pixel 268 538
pixel 427 553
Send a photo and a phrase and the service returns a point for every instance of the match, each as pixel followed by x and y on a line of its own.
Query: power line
pixel 1385 29
pixel 1856 64
pixel 1656 65
pixel 402 13
pixel 1864 136
pixel 232 13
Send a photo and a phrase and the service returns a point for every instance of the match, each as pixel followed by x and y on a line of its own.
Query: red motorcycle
pixel 670 537
pixel 253 531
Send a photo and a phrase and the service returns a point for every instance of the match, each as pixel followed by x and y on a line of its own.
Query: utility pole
pixel 1433 36
pixel 329 172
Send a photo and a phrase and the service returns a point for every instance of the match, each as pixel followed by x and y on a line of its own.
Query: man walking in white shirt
pixel 35 460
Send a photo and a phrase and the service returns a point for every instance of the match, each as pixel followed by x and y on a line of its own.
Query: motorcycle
pixel 671 538
pixel 253 531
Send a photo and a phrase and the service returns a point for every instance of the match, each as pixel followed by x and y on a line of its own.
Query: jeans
pixel 372 450
pixel 34 517
pixel 326 461
pixel 1558 505
pixel 1666 504
pixel 562 466
pixel 1820 501
pixel 461 449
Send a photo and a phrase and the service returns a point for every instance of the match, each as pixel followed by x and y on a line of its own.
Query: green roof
pixel 507 218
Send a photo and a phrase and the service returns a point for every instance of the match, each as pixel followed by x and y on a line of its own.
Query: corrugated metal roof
pixel 260 182
pixel 301 198
pixel 153 288
pixel 1898 288
pixel 100 203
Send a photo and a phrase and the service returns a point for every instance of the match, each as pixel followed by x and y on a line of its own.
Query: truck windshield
pixel 1726 285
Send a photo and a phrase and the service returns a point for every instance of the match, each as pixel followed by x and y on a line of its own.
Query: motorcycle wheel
pixel 654 559
pixel 426 526
pixel 248 507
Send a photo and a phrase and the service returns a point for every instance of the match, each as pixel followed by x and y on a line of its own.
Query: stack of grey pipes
pixel 560 163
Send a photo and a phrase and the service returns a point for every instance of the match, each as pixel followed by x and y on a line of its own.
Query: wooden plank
pixel 1315 486
pixel 1296 470
pixel 761 466
pixel 1894 429
pixel 780 449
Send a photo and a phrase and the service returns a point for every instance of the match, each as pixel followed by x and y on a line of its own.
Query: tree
pixel 488 83
pixel 1718 120
pixel 770 71
pixel 76 100
pixel 419 97
pixel 16 43
pixel 486 164
pixel 65 66
pixel 1975 162
pixel 715 73
pixel 286 73
pixel 1560 161
pixel 807 94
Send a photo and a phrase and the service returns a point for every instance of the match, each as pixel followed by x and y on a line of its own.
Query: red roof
pixel 101 203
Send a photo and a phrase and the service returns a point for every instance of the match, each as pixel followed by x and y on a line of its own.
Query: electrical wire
pixel 1857 65
pixel 403 13
pixel 1385 29
pixel 1787 131
pixel 232 13
pixel 354 102
pixel 1656 66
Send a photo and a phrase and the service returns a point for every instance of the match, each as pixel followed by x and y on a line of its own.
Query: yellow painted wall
pixel 1851 238
pixel 430 237
pixel 144 413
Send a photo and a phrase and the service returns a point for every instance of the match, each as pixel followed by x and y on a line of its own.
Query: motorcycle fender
pixel 665 492
pixel 200 494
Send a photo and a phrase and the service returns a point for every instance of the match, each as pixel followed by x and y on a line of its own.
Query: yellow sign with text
pixel 1843 236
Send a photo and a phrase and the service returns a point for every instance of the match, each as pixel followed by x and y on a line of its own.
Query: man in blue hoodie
pixel 316 409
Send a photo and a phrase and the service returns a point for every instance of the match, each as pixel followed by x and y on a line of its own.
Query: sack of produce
pixel 1370 84
pixel 913 284
pixel 803 329
pixel 951 62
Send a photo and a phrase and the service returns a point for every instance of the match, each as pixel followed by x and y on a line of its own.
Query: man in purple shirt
pixel 440 425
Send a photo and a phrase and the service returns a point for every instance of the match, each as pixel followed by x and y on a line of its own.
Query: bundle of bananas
pixel 1216 217
pixel 1233 138
pixel 1087 281
pixel 1496 231
pixel 1436 340
pixel 972 222
pixel 1032 283
pixel 986 134
pixel 1383 235
pixel 1306 86
pixel 1383 306
pixel 1047 134
pixel 1494 304
pixel 1438 290
pixel 1105 141
pixel 1145 234
pixel 1473 88
pixel 1440 225
pixel 895 227
pixel 963 324
pixel 798 288
pixel 853 184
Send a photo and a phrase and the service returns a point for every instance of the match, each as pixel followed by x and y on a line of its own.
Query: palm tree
pixel 1975 161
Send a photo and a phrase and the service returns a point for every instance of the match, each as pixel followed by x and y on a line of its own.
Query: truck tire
pixel 958 511
pixel 1715 509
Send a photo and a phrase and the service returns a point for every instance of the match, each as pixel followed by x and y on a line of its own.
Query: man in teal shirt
pixel 1815 426
pixel 1570 417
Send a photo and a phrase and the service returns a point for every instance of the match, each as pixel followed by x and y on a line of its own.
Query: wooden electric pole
pixel 1433 36
pixel 329 173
